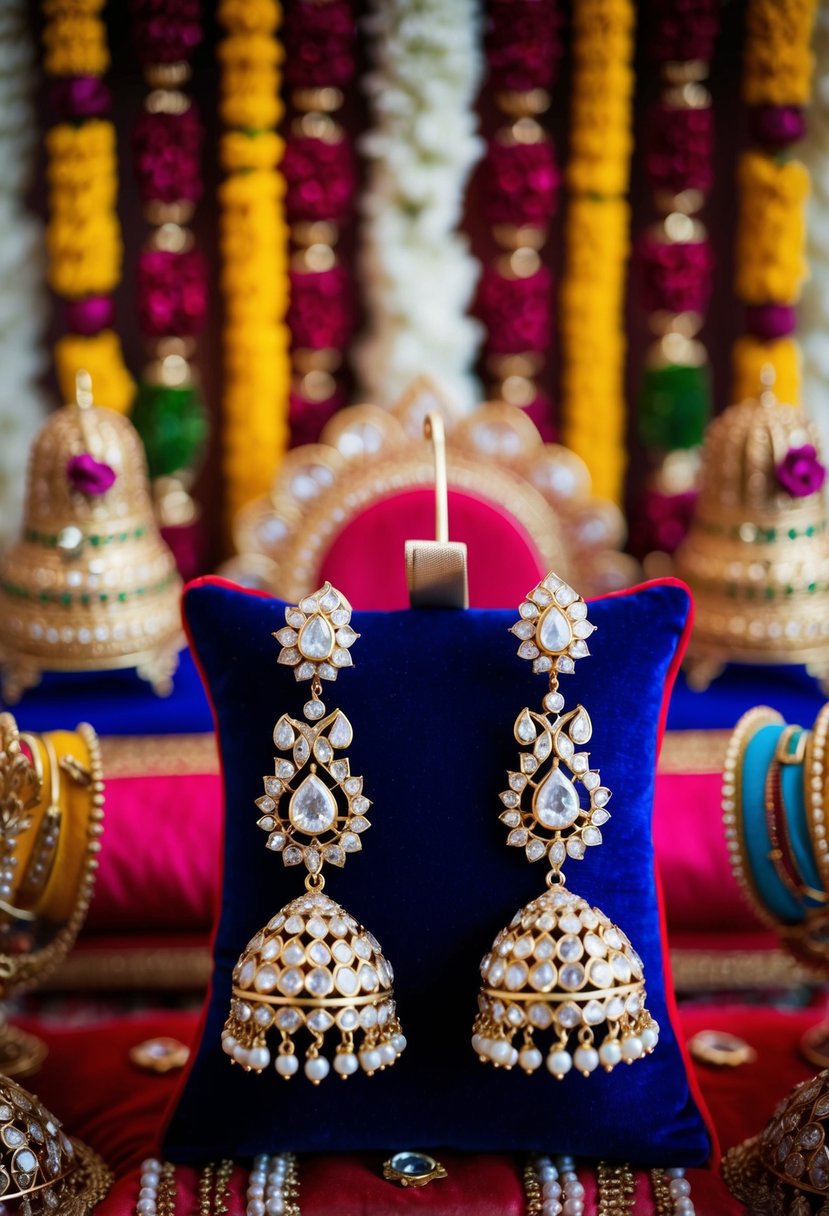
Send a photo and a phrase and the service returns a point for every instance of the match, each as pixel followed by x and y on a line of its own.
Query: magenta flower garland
pixel 319 203
pixel 519 189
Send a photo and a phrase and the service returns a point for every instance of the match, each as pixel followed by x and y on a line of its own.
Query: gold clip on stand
pixel 436 569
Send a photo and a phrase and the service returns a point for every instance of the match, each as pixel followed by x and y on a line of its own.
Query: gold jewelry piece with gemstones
pixel 313 967
pixel 560 965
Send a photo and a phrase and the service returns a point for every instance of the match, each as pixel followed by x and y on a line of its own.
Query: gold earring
pixel 313 966
pixel 560 965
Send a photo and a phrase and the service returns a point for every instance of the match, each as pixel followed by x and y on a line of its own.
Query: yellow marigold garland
pixel 771 232
pixel 254 245
pixel 778 60
pixel 83 236
pixel 597 240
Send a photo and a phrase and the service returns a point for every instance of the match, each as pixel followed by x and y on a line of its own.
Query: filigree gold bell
pixel 784 1171
pixel 757 553
pixel 90 584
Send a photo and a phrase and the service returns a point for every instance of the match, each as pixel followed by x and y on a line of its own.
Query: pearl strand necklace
pixel 157 1189
pixel 672 1191
pixel 553 1189
pixel 273 1186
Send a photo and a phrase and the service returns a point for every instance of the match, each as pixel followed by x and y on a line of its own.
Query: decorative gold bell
pixel 42 1170
pixel 90 584
pixel 757 554
pixel 785 1170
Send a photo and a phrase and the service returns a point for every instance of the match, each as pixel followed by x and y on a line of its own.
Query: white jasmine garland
pixel 418 272
pixel 813 314
pixel 23 299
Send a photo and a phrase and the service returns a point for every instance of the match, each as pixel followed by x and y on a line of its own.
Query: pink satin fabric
pixel 367 560
pixel 159 864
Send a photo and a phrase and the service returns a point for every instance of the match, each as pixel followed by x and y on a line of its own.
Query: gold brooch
pixel 413 1169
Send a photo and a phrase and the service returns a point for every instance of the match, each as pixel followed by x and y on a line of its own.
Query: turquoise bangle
pixel 770 888
pixel 792 789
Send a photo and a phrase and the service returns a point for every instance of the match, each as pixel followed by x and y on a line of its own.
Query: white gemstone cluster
pixel 314 967
pixel 562 966
pixel 317 635
pixel 553 629
pixel 312 809
pixel 542 807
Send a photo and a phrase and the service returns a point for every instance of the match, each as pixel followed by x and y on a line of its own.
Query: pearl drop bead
pixel 551 1207
pixel 256 1190
pixel 316 1069
pixel 275 1206
pixel 575 1190
pixel 684 1207
pixel 572 1207
pixel 675 1171
pixel 145 1207
pixel 559 1062
pixel 255 1208
pixel 151 1166
pixel 631 1047
pixel 387 1053
pixel 650 1038
pixel 370 1059
pixel 586 1059
pixel 500 1052
pixel 259 1058
pixel 530 1058
pixel 679 1188
pixel 610 1053
pixel 399 1042
pixel 286 1066
pixel 148 1192
pixel 551 1190
pixel 346 1063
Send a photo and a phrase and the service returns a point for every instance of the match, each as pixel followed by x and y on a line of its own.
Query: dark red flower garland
pixel 519 182
pixel 172 273
pixel 674 265
pixel 320 182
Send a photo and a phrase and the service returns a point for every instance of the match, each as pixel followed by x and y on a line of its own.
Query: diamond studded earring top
pixel 560 967
pixel 313 968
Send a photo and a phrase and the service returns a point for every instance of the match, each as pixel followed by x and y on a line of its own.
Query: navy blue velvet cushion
pixel 432 699
pixel 790 690
pixel 117 703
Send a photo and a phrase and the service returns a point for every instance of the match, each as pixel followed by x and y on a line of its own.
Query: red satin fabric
pixel 89 1083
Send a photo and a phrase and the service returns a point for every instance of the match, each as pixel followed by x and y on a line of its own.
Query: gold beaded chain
pixel 214 1188
pixel 662 1193
pixel 532 1189
pixel 615 1189
pixel 166 1198
pixel 291 1188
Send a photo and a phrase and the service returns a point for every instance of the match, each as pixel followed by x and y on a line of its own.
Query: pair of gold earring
pixel 560 967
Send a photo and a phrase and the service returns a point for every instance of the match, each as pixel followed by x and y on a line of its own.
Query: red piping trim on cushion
pixel 212 580
pixel 668 981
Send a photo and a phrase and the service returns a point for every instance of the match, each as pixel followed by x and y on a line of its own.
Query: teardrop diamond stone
pixel 316 638
pixel 525 731
pixel 581 727
pixel 312 808
pixel 556 803
pixel 340 734
pixel 554 631
pixel 283 734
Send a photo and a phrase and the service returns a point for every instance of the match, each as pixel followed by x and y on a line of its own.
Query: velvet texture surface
pixel 432 699
pixel 790 690
pixel 116 703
